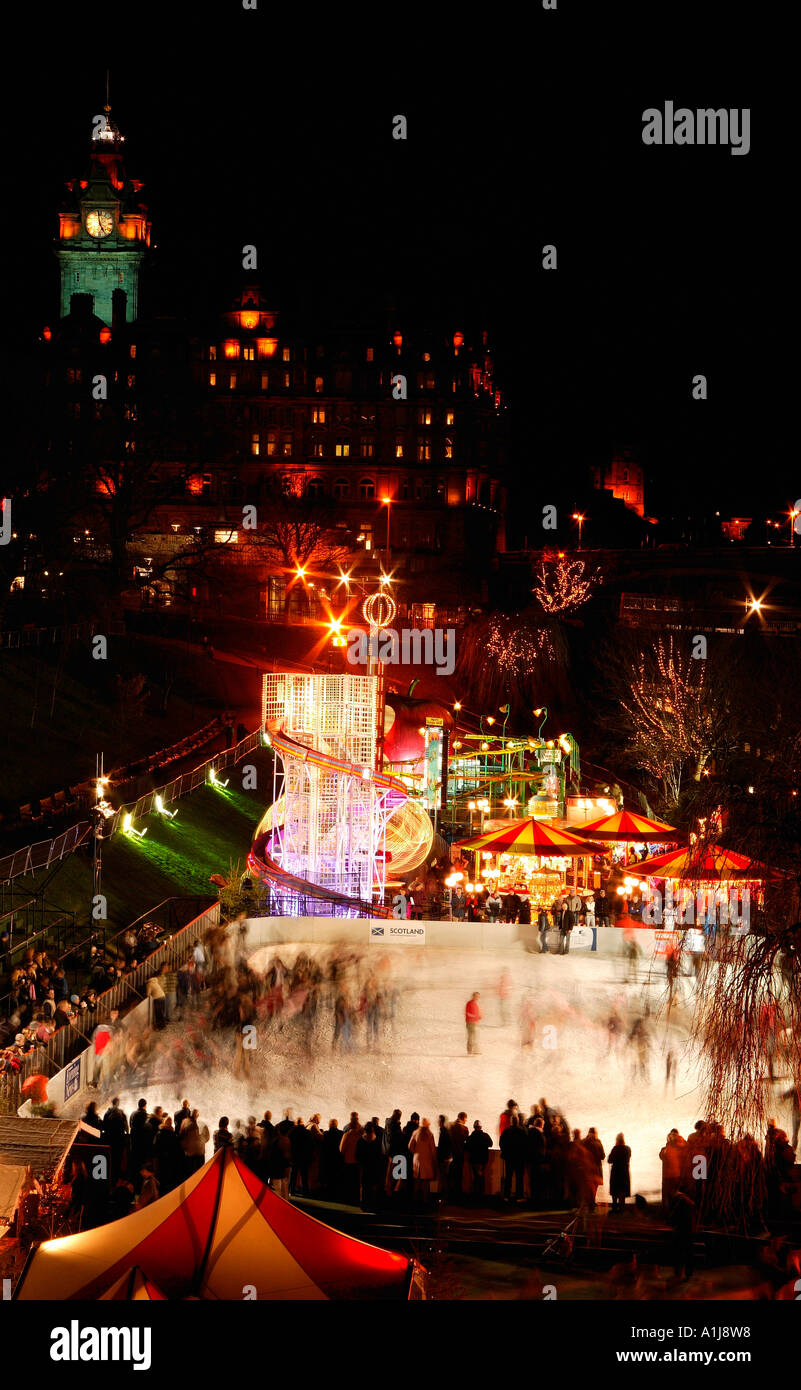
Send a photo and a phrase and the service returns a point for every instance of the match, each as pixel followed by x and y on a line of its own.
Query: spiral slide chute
pixel 334 829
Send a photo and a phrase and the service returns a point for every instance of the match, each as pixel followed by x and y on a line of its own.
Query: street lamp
pixel 387 502
pixel 580 518
pixel 544 712
pixel 793 514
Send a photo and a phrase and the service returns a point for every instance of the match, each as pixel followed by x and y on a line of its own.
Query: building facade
pixel 396 435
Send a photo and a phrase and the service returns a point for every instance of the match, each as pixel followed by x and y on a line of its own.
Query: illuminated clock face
pixel 99 223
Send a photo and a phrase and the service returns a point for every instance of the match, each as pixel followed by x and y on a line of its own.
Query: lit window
pixel 213 353
pixel 266 346
pixel 131 382
pixel 368 447
pixel 423 416
pixel 265 381
pixel 449 417
pixel 318 415
pixel 341 487
pixel 226 537
pixel 249 354
pixel 342 449
pixel 423 449
pixel 449 448
pixel 212 378
pixel 232 381
pixel 287 354
pixel 287 447
pixel 318 385
pixel 430 383
pixel 231 347
pixel 287 381
pixel 318 449
pixel 369 354
pixel 254 445
pixel 399 451
pixel 132 349
pixel 366 489
pixel 272 444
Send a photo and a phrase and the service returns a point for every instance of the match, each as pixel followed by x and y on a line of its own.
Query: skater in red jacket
pixel 472 1017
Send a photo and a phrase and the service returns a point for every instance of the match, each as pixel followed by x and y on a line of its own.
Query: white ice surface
pixel 421 1062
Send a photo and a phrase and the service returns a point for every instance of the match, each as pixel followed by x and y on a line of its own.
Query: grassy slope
pixel 176 857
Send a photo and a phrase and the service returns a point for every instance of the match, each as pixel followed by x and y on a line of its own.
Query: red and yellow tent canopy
pixel 528 836
pixel 627 825
pixel 702 865
pixel 133 1287
pixel 221 1231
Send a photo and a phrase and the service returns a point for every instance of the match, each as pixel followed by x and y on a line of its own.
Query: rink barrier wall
pixel 474 936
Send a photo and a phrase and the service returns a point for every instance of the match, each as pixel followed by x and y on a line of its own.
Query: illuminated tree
pixel 672 714
pixel 505 656
pixel 564 582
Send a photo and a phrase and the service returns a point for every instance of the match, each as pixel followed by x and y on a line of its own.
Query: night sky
pixel 671 261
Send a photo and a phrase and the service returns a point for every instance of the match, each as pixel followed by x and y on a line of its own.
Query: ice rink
pixel 421 1063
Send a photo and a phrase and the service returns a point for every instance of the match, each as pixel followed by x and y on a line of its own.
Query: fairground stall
pixel 532 858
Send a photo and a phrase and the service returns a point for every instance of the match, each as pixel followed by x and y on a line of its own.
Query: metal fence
pixel 72 1039
pixel 46 852
pixel 188 782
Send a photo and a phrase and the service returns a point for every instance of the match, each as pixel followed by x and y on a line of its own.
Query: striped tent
pixel 528 836
pixel 628 826
pixel 133 1287
pixel 702 865
pixel 223 1234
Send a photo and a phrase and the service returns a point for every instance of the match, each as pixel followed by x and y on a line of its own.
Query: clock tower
pixel 103 231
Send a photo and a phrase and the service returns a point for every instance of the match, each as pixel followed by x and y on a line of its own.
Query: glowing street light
pixel 580 518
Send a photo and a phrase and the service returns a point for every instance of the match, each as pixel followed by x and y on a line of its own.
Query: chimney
pixel 119 308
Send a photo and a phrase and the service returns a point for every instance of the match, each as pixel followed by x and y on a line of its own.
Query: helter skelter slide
pixel 337 822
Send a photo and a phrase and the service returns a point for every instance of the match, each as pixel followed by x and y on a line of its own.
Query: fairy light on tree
pixel 564 583
pixel 673 716
pixel 514 648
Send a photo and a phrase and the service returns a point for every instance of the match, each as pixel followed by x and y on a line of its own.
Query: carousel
pixel 533 858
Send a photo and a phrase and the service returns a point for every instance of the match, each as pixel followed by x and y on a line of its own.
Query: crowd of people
pixel 414 1164
pixel 38 998
pixel 394 1164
